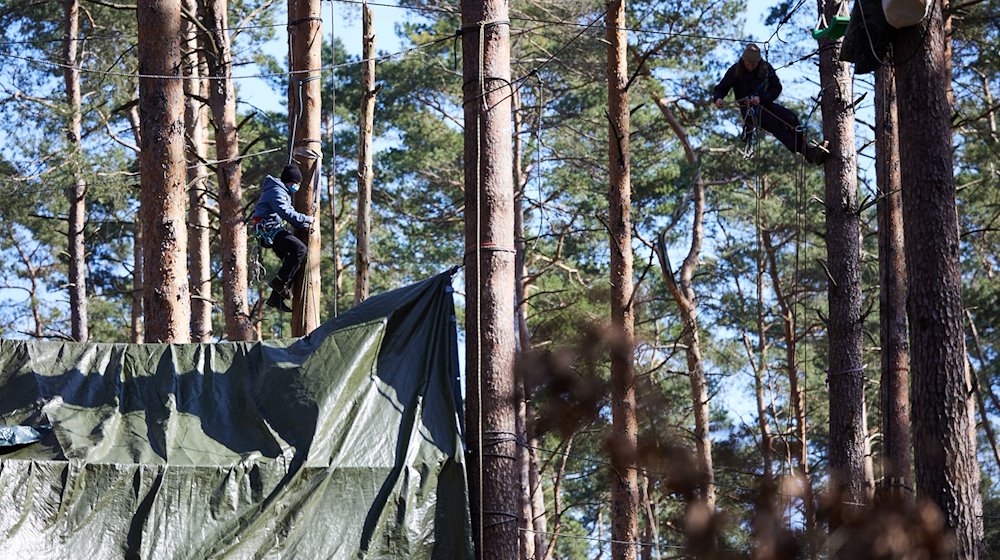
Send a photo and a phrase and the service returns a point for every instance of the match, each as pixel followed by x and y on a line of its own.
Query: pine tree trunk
pixel 199 226
pixel 363 229
pixel 137 290
pixel 851 478
pixel 166 298
pixel 796 391
pixel 895 356
pixel 687 303
pixel 947 469
pixel 489 274
pixel 305 29
pixel 77 193
pixel 232 231
pixel 624 428
pixel 526 536
pixel 331 201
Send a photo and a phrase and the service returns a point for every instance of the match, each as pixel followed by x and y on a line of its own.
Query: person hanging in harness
pixel 273 209
pixel 755 85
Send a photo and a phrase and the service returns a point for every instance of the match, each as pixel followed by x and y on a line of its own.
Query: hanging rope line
pixel 636 30
pixel 328 68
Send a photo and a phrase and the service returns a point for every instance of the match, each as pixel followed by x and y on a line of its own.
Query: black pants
pixel 292 253
pixel 783 124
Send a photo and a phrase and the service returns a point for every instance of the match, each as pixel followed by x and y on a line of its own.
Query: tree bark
pixel 850 474
pixel 687 303
pixel 136 330
pixel 624 427
pixel 894 387
pixel 947 469
pixel 232 230
pixel 137 334
pixel 199 226
pixel 796 391
pixel 362 255
pixel 489 274
pixel 332 210
pixel 304 107
pixel 525 515
pixel 166 298
pixel 77 273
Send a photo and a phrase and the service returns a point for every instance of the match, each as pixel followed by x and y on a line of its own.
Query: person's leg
pixel 292 253
pixel 784 125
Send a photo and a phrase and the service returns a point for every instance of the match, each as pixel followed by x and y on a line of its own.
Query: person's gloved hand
pixel 754 100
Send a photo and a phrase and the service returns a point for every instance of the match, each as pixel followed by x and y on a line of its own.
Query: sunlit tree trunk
pixel 78 191
pixel 166 299
pixel 947 469
pixel 489 277
pixel 232 231
pixel 362 260
pixel 624 480
pixel 682 291
pixel 304 107
pixel 199 226
pixel 525 514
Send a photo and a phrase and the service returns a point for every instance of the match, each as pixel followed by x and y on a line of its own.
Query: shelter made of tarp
pixel 342 444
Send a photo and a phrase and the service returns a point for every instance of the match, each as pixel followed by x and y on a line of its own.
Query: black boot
pixel 278 285
pixel 817 154
pixel 274 300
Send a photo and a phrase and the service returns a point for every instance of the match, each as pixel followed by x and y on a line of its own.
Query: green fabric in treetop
pixel 342 444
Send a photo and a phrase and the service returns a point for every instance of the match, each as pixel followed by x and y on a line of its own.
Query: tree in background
pixel 947 469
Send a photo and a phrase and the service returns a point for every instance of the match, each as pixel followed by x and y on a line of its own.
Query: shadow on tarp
pixel 370 396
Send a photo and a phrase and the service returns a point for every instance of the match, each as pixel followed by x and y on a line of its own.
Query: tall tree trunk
pixel 525 514
pixel 687 303
pixel 624 480
pixel 166 299
pixel 796 391
pixel 851 478
pixel 332 210
pixel 362 253
pixel 232 231
pixel 540 524
pixel 947 470
pixel 489 274
pixel 304 107
pixel 199 226
pixel 137 289
pixel 137 334
pixel 760 367
pixel 78 191
pixel 894 388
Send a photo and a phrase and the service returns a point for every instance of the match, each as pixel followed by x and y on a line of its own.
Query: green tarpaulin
pixel 343 444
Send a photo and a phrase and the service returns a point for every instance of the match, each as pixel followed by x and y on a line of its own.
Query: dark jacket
pixel 762 82
pixel 275 204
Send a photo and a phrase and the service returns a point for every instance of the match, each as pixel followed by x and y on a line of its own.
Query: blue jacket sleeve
pixel 283 207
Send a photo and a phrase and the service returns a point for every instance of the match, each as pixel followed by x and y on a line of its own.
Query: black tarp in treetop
pixel 342 444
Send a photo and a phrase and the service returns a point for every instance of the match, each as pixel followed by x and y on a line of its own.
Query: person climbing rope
pixel 755 84
pixel 273 209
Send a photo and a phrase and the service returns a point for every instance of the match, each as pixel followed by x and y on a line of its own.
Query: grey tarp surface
pixel 342 444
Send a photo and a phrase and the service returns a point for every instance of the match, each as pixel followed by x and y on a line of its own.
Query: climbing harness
pixel 750 134
pixel 265 230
